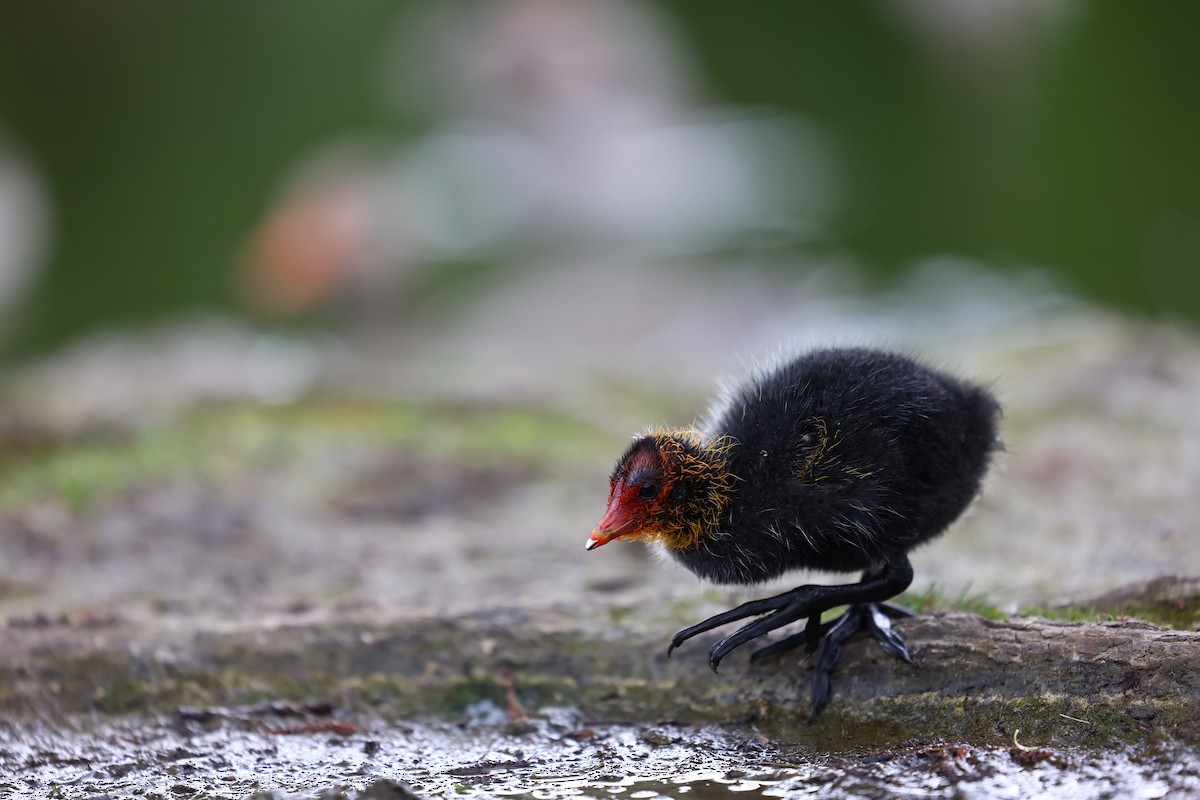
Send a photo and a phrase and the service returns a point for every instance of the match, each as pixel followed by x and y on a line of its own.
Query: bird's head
pixel 670 486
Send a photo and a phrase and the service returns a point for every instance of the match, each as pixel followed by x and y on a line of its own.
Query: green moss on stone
pixel 1182 614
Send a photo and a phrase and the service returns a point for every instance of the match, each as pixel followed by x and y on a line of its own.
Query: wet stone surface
pixel 556 753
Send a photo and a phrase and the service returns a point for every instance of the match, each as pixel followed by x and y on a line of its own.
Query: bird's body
pixel 844 457
pixel 840 459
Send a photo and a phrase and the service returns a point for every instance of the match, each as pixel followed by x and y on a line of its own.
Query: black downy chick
pixel 841 459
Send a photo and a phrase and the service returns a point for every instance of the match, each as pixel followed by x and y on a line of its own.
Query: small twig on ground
pixel 322 726
pixel 516 713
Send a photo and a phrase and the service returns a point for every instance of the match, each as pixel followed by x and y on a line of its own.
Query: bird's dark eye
pixel 648 490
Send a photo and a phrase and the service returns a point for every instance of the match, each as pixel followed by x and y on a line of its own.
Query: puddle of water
pixel 559 755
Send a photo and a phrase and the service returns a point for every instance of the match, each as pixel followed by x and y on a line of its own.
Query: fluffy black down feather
pixel 844 457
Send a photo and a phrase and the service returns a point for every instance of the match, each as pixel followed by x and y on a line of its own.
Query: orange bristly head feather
pixel 670 486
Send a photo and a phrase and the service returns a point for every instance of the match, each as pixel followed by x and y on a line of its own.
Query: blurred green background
pixel 163 131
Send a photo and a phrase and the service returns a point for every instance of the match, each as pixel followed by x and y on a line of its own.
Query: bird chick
pixel 841 459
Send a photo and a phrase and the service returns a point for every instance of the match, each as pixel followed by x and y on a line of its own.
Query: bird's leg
pixel 876 586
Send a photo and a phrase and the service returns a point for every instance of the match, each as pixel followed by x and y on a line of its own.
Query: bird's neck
pixel 701 486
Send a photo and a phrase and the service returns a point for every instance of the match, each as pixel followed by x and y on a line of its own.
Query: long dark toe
pixel 751 609
pixel 685 634
pixel 842 629
pixel 753 630
pixel 877 622
pixel 810 637
pixel 782 646
pixel 814 630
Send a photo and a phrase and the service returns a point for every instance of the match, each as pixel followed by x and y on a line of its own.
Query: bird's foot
pixel 865 609
pixel 774 612
pixel 815 631
pixel 875 618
